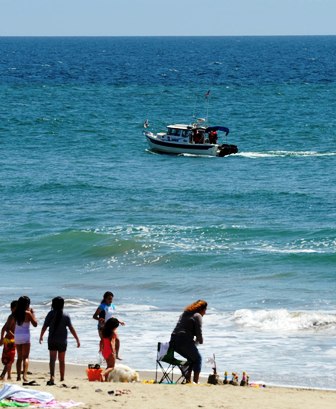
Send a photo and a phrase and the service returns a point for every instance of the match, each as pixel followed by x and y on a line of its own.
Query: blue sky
pixel 166 17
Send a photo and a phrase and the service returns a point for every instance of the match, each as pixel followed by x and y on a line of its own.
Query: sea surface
pixel 86 208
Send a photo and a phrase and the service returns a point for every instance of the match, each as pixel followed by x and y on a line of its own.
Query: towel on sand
pixel 16 392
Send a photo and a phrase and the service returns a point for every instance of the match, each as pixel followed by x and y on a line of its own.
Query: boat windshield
pixel 173 131
pixel 179 132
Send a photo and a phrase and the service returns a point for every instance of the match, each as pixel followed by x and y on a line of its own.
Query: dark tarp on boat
pixel 218 128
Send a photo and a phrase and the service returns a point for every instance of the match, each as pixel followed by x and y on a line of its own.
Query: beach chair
pixel 166 362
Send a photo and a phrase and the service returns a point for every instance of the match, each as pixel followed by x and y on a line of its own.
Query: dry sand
pixel 161 396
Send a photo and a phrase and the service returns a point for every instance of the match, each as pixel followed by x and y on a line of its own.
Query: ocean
pixel 87 208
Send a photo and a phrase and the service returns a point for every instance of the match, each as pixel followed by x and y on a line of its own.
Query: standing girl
pixel 23 316
pixel 104 312
pixel 58 322
pixel 108 344
pixel 8 342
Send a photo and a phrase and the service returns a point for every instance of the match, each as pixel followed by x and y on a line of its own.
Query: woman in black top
pixel 187 334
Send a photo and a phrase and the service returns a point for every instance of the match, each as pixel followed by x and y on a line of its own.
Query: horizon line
pixel 162 35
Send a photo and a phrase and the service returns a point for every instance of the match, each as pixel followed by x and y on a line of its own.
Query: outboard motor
pixel 226 149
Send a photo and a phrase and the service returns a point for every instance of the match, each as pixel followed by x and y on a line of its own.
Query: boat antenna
pixel 207 95
pixel 195 106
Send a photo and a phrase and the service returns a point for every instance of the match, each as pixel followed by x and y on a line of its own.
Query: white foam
pixel 272 249
pixel 241 340
pixel 272 154
pixel 331 352
pixel 284 320
pixel 193 155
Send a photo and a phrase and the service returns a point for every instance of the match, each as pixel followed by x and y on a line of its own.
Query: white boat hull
pixel 177 147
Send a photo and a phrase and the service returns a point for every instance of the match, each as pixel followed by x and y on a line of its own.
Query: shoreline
pixel 142 395
pixel 147 374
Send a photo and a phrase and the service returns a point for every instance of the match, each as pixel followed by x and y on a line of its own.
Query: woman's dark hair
pixel 109 326
pixel 21 308
pixel 107 294
pixel 13 304
pixel 57 304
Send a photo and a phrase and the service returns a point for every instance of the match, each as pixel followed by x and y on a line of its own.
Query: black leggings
pixel 187 348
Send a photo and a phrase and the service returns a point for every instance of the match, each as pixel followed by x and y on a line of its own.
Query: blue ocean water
pixel 87 208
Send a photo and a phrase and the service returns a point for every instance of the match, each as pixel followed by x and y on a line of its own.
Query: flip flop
pixel 50 383
pixel 31 383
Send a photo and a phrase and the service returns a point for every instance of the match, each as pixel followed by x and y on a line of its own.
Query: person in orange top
pixel 8 342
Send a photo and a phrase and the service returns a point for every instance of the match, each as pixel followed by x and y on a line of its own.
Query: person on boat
pixel 198 136
pixel 213 137
pixel 187 334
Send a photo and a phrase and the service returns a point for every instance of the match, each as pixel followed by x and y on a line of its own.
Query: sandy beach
pixel 140 395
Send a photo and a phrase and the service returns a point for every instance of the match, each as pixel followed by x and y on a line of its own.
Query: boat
pixel 194 139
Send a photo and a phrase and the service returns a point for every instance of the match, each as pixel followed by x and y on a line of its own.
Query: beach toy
pixel 257 385
pixel 243 382
pixel 234 379
pixel 225 381
pixel 213 379
pixel 94 374
pixel 8 341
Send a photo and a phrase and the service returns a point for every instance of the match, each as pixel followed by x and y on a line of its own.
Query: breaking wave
pixel 284 320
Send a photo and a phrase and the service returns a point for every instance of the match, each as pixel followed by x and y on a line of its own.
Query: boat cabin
pixel 185 133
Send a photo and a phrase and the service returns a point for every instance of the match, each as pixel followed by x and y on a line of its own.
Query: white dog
pixel 123 373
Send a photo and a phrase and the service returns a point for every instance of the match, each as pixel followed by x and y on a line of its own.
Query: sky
pixel 166 17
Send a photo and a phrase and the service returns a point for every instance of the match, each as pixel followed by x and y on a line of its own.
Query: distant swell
pixel 156 244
